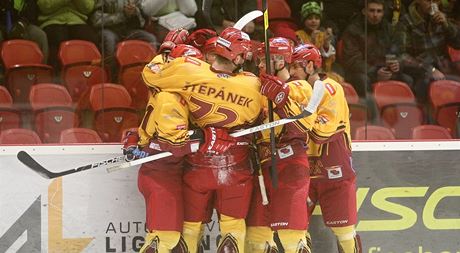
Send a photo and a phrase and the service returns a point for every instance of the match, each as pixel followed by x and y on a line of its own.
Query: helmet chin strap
pixel 238 67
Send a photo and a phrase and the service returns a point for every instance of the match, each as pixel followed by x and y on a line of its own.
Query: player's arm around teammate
pixel 220 97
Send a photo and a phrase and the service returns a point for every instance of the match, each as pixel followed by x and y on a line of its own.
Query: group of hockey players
pixel 200 95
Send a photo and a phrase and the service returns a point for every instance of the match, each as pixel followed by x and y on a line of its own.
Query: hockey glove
pixel 166 47
pixel 216 141
pixel 274 89
pixel 130 148
pixel 199 37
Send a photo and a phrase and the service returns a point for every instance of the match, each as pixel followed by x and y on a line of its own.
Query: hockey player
pixel 220 98
pixel 286 212
pixel 161 181
pixel 333 179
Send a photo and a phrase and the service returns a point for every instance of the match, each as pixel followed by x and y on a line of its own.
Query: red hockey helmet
pixel 307 52
pixel 233 42
pixel 210 45
pixel 278 46
pixel 174 37
pixel 199 37
pixel 185 50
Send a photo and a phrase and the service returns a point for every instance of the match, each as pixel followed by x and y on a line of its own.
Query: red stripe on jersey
pixel 330 88
pixel 297 83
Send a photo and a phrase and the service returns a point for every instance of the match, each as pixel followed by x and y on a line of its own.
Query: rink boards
pixel 408 200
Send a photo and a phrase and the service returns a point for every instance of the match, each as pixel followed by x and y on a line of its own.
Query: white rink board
pixel 99 212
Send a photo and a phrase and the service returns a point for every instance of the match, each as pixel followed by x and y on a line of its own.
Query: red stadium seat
pixel 9 116
pixel 370 132
pixel 398 108
pixel 53 111
pixel 339 51
pixel 434 132
pixel 111 104
pixel 350 93
pixel 132 56
pixel 81 68
pixel 358 111
pixel 79 135
pixel 454 54
pixel 445 99
pixel 23 62
pixel 19 136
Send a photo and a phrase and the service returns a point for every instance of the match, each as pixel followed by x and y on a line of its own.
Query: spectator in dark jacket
pixel 370 51
pixel 424 36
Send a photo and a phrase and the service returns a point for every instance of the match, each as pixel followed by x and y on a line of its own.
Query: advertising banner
pixel 408 202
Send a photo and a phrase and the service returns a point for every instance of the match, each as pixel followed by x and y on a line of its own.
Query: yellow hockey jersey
pixel 299 95
pixel 165 118
pixel 213 98
pixel 332 117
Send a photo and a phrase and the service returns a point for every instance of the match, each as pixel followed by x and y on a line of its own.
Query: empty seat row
pixel 53 111
pixel 82 67
pixel 27 136
pixel 398 109
pixel 422 132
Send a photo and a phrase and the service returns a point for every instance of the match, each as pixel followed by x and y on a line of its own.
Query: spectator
pixel 367 41
pixel 339 13
pixel 116 21
pixel 424 36
pixel 312 32
pixel 225 13
pixel 65 20
pixel 21 23
pixel 167 15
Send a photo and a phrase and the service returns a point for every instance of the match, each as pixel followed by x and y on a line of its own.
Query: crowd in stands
pixel 363 43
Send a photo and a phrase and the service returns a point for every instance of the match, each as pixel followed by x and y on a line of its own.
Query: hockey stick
pixel 273 171
pixel 251 130
pixel 30 162
pixel 248 17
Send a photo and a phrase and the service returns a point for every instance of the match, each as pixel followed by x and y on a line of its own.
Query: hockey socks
pixel 348 241
pixel 233 231
pixel 192 235
pixel 294 241
pixel 260 240
pixel 160 241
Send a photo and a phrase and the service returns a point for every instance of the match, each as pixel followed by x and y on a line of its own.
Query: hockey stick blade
pixel 243 21
pixel 30 162
pixel 236 134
